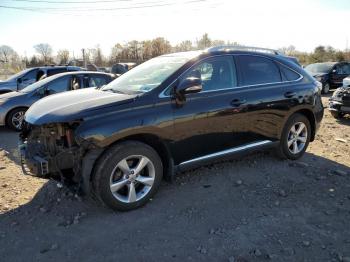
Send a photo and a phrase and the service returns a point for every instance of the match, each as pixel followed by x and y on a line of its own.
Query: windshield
pixel 38 84
pixel 319 68
pixel 148 75
pixel 19 74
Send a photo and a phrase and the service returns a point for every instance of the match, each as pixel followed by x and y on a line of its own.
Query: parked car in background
pixel 330 74
pixel 173 112
pixel 104 69
pixel 339 103
pixel 31 75
pixel 121 68
pixel 13 105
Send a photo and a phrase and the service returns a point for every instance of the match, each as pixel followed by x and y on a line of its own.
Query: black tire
pixel 105 168
pixel 325 88
pixel 283 150
pixel 10 118
pixel 337 114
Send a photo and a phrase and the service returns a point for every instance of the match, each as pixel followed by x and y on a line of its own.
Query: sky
pixel 77 24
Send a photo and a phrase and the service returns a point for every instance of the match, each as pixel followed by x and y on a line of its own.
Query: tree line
pixel 139 51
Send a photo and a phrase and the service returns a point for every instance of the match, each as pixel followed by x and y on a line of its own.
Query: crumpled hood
pixel 73 105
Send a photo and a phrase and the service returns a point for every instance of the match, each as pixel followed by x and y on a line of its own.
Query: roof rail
pixel 243 48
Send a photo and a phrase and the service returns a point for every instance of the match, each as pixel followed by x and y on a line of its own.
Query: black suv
pixel 330 74
pixel 171 113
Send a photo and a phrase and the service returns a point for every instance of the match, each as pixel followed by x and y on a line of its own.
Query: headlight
pixel 319 78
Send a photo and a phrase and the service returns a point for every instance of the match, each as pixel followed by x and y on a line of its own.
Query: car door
pixel 202 123
pixel 267 90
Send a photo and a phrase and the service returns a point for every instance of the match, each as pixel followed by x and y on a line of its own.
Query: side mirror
pixel 19 80
pixel 334 71
pixel 189 85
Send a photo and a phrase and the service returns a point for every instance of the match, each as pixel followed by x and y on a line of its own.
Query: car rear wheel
pixel 127 175
pixel 15 118
pixel 325 88
pixel 295 137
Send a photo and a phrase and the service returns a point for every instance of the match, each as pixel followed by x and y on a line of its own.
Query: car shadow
pixel 9 143
pixel 344 121
pixel 221 210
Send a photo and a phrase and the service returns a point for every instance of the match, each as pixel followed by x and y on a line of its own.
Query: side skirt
pixel 226 154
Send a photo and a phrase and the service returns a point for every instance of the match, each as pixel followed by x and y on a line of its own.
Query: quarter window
pixel 288 75
pixel 256 70
pixel 216 73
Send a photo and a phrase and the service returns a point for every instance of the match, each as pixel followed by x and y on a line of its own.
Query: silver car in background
pixel 31 75
pixel 13 105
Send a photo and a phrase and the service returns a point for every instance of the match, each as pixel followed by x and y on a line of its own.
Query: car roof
pixel 230 50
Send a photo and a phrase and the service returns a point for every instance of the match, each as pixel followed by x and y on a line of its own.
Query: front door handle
pixel 290 94
pixel 238 102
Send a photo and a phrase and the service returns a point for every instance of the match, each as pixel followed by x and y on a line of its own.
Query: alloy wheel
pixel 297 138
pixel 17 119
pixel 132 178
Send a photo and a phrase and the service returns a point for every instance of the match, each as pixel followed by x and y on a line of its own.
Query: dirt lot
pixel 253 209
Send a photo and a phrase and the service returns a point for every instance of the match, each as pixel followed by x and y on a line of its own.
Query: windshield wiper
pixel 114 91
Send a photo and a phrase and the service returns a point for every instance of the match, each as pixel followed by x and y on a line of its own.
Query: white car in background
pixel 346 82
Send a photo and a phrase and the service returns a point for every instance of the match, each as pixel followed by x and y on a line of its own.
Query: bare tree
pixel 204 42
pixel 7 54
pixel 45 50
pixel 184 46
pixel 63 56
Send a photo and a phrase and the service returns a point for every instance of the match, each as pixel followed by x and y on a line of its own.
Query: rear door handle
pixel 290 94
pixel 238 102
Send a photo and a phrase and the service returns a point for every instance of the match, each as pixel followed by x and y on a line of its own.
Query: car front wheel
pixel 127 175
pixel 295 137
pixel 15 118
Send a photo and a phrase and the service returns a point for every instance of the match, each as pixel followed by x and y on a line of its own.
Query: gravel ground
pixel 252 209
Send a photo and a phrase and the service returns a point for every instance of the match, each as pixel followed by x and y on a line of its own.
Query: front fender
pixel 106 130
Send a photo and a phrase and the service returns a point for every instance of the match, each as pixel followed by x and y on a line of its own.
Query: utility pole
pixel 84 59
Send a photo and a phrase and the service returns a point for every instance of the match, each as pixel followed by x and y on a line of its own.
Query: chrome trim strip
pixel 162 95
pixel 228 151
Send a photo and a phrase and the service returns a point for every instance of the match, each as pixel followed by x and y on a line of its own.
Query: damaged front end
pixel 340 101
pixel 52 151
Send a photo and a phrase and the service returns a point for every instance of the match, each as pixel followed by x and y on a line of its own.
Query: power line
pixel 99 9
pixel 71 2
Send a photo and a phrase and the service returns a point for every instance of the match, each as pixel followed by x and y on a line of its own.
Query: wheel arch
pixel 91 158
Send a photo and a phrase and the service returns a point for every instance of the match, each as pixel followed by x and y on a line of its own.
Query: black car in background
pixel 31 75
pixel 121 68
pixel 339 103
pixel 169 114
pixel 13 105
pixel 330 74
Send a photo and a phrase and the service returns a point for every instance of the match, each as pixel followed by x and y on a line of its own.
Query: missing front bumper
pixel 33 165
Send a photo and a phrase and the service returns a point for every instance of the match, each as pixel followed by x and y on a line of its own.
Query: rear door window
pixel 96 81
pixel 255 70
